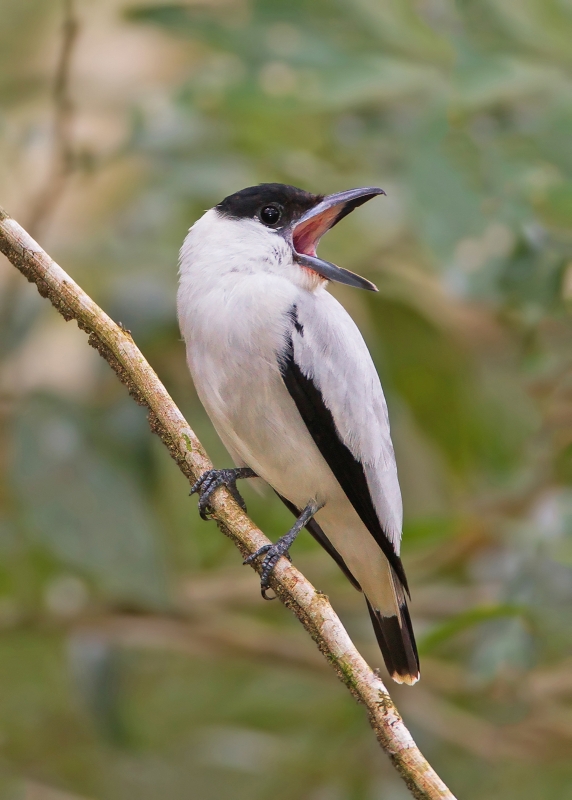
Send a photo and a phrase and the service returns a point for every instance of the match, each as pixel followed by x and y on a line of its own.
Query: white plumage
pixel 244 305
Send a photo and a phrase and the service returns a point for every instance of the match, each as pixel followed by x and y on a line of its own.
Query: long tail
pixel 394 632
pixel 395 638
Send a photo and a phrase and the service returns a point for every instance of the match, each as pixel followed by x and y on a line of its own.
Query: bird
pixel 288 382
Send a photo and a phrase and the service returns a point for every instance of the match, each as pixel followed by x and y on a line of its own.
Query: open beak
pixel 310 228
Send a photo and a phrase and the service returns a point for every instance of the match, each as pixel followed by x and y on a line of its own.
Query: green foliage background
pixel 136 657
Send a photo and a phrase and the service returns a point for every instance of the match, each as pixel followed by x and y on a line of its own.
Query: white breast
pixel 237 288
pixel 233 314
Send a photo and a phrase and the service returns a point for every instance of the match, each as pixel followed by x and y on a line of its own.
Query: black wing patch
pixel 319 535
pixel 293 314
pixel 348 471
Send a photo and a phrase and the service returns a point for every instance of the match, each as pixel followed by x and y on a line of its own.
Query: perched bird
pixel 288 382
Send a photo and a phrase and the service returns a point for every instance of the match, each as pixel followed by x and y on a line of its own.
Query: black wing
pixel 319 535
pixel 348 471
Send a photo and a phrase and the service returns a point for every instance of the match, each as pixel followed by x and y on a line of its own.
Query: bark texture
pixel 311 607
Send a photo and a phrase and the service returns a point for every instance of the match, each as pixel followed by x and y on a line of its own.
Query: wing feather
pixel 319 535
pixel 315 358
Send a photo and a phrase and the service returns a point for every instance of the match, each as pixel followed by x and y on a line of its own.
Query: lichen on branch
pixel 311 607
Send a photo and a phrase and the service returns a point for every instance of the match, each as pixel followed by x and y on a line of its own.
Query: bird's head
pixel 279 227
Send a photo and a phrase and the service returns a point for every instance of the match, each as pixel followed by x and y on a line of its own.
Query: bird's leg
pixel 274 551
pixel 213 478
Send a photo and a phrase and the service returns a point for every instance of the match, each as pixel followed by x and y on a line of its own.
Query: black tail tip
pixel 397 644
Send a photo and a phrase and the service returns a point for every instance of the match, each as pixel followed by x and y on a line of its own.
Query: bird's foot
pixel 273 552
pixel 210 481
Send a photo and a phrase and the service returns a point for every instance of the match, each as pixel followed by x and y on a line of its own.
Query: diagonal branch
pixel 310 606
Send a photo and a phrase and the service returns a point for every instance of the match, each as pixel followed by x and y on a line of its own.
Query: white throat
pixel 217 247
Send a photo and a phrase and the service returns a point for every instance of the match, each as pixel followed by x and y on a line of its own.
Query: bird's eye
pixel 270 215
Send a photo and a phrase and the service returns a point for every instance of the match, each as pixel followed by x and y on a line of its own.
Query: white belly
pixel 261 427
pixel 233 341
pixel 235 323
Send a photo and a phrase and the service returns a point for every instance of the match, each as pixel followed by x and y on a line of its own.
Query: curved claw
pixel 260 552
pixel 197 484
pixel 272 553
pixel 204 513
pixel 210 481
pixel 264 580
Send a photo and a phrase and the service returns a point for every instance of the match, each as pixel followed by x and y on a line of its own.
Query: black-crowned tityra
pixel 289 384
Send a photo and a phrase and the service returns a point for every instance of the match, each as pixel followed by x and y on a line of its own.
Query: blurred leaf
pixel 84 510
pixel 373 81
pixel 461 111
pixel 96 666
pixel 399 24
pixel 543 26
pixel 555 207
pixel 468 619
pixel 505 645
pixel 436 379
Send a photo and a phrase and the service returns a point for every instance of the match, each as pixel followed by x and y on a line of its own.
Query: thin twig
pixel 310 606
pixel 62 161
